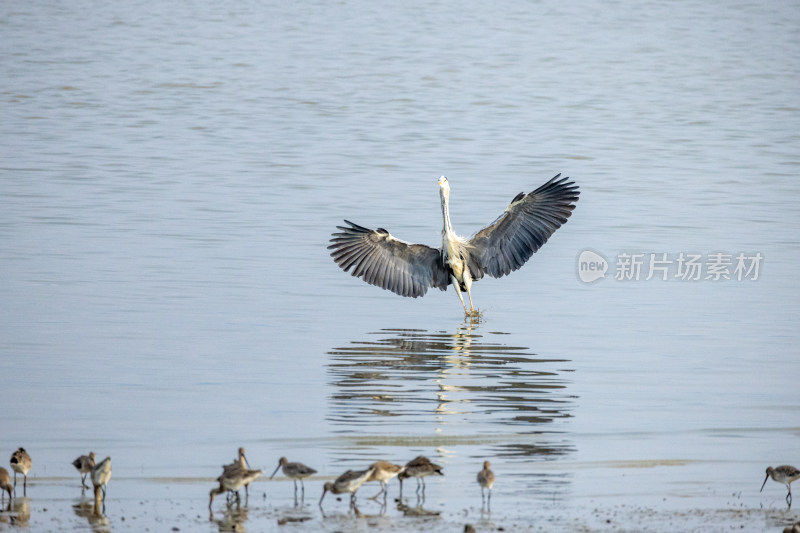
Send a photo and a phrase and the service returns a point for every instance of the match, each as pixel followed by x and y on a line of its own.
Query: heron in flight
pixel 498 249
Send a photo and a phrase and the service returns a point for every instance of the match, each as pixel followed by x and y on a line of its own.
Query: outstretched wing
pixel 507 243
pixel 380 259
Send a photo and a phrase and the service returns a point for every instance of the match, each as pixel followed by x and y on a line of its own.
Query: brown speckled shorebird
pixel 241 462
pixel 383 471
pixel 486 480
pixel 350 482
pixel 5 484
pixel 783 474
pixel 84 465
pixel 21 463
pixel 418 468
pixel 232 478
pixel 294 471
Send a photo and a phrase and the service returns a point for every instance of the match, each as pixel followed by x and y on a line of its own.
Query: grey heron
pixel 497 250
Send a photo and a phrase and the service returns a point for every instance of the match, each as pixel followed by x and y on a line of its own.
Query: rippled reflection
pixel 400 380
pixel 232 519
pixel 88 509
pixel 17 512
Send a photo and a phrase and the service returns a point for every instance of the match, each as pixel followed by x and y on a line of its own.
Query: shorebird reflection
pixel 233 518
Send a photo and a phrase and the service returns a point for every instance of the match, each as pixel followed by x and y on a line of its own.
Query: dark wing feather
pixel 507 243
pixel 380 259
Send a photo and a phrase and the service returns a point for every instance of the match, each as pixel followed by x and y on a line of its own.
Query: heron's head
pixel 444 187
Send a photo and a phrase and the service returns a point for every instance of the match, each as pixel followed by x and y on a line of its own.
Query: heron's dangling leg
pixel 457 287
pixel 468 286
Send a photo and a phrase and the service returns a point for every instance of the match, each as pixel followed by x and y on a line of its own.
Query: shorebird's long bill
pixel 246 462
pixel 276 471
pixel 765 482
pixel 324 492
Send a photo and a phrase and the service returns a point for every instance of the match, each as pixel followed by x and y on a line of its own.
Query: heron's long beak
pixel 276 471
pixel 765 482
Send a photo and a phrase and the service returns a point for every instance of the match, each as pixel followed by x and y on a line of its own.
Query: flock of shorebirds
pixel 239 474
pixel 100 474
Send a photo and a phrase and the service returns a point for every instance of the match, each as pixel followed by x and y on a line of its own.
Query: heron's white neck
pixel 447 231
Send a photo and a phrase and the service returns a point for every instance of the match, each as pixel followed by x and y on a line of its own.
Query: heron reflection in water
pixel 497 250
pixel 398 377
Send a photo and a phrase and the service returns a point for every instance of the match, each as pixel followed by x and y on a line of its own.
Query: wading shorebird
pixel 241 462
pixel 350 482
pixel 383 471
pixel 84 465
pixel 418 468
pixel 486 480
pixel 5 484
pixel 232 478
pixel 783 474
pixel 21 463
pixel 497 250
pixel 294 471
pixel 101 474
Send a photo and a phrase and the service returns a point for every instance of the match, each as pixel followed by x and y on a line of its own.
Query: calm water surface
pixel 171 173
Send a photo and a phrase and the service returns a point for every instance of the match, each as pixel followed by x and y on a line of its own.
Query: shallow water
pixel 170 177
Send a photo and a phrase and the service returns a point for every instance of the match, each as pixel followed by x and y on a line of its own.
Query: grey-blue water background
pixel 171 173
